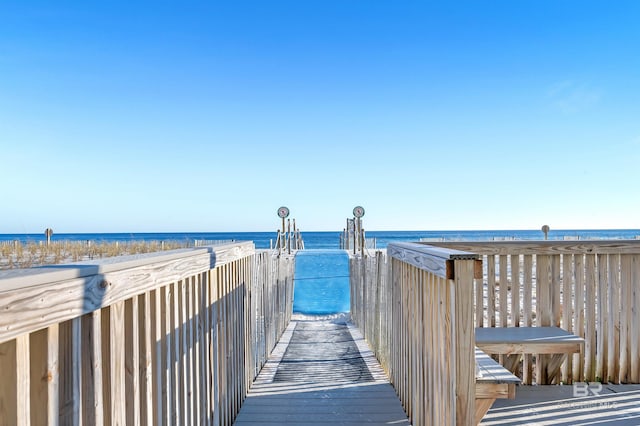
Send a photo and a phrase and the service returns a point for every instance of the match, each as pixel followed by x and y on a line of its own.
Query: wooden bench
pixel 513 342
pixel 493 381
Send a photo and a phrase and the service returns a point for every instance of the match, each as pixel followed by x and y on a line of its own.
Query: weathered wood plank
pixel 463 343
pixel 117 367
pixel 44 376
pixel 614 308
pixel 527 314
pixel 542 339
pixel 567 310
pixel 544 247
pixel 131 332
pixel 319 394
pixel 218 255
pixel 602 303
pixel 37 298
pixel 590 318
pixel 634 330
pixel 15 380
pixel 146 321
pixel 433 259
pixel 92 371
pixel 579 311
pixel 70 343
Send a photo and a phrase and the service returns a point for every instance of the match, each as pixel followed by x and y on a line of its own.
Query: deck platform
pixel 322 372
pixel 548 405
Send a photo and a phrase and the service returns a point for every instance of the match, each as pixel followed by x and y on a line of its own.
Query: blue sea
pixel 321 282
pixel 331 240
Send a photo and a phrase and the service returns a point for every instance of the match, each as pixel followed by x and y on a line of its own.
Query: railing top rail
pixel 12 279
pixel 437 260
pixel 31 299
pixel 545 247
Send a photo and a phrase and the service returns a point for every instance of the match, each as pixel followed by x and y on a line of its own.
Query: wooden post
pixel 545 229
pixel 295 239
pixel 464 341
pixel 48 233
pixel 355 235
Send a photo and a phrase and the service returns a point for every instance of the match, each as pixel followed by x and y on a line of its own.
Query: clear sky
pixel 208 116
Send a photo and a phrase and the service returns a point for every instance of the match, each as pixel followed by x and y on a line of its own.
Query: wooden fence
pixel 591 288
pixel 416 311
pixel 157 339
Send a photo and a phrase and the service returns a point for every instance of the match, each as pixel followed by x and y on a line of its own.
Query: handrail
pixel 545 247
pixel 161 338
pixel 417 314
pixel 587 287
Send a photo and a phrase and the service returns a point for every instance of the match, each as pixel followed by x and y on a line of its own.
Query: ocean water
pixel 331 240
pixel 321 282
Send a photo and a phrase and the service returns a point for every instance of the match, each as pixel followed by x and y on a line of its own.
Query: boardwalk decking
pixel 322 372
pixel 555 405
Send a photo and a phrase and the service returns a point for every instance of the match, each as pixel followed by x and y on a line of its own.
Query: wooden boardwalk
pixel 322 372
pixel 557 405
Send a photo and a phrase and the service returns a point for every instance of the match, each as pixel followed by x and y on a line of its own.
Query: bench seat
pixel 493 381
pixel 554 342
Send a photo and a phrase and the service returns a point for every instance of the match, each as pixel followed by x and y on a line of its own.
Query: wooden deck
pixel 556 405
pixel 321 372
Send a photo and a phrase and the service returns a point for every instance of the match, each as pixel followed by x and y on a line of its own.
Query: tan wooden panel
pixel 491 290
pixel 634 330
pixel 145 320
pixel 92 369
pixel 567 310
pixel 544 247
pixel 117 367
pixel 70 343
pixel 614 308
pixel 15 379
pixel 579 312
pixel 503 290
pixel 44 376
pixel 131 332
pixel 527 313
pixel 515 290
pixel 590 317
pixel 464 343
pixel 602 326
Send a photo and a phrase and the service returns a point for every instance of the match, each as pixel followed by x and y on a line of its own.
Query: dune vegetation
pixel 16 254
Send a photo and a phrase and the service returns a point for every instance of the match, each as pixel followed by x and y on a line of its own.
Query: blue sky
pixel 208 116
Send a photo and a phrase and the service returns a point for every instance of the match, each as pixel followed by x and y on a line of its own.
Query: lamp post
pixel 358 212
pixel 545 229
pixel 283 213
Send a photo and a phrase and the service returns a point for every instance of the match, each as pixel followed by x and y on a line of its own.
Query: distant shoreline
pixel 331 239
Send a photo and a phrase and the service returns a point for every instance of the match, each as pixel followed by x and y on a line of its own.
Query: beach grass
pixel 16 254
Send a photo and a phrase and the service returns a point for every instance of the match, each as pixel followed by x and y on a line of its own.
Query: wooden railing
pixel 591 288
pixel 158 339
pixel 416 311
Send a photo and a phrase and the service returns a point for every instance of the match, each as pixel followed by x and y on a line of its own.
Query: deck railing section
pixel 591 288
pixel 157 339
pixel 416 311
